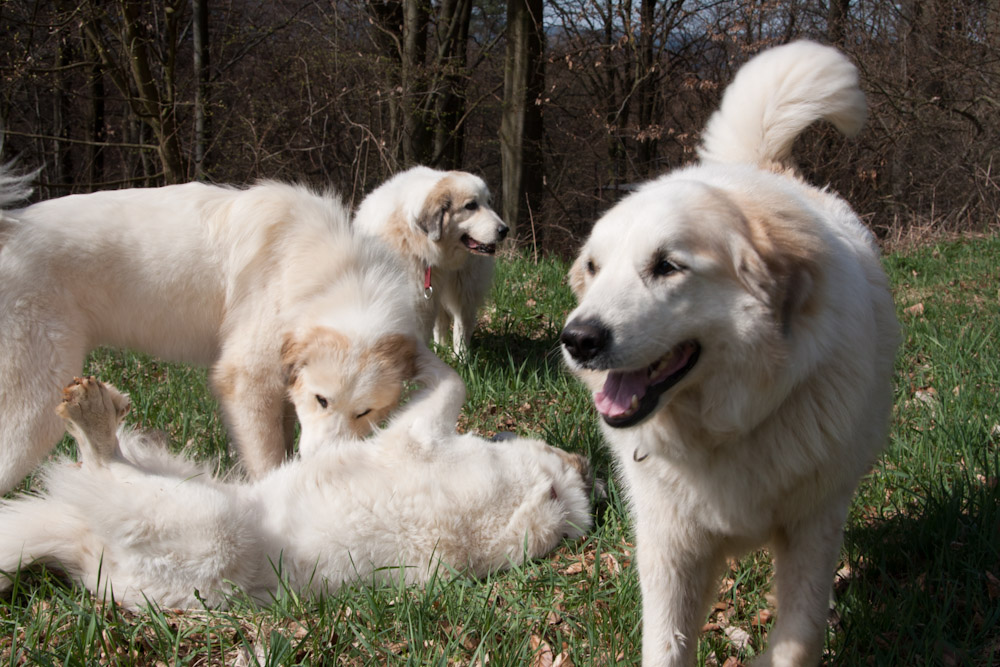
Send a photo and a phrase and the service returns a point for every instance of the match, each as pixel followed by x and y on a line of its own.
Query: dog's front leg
pixel 678 563
pixel 254 411
pixel 805 557
pixel 432 412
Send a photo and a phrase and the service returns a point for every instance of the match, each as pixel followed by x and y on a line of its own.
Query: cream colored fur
pixel 441 220
pixel 141 524
pixel 205 275
pixel 738 332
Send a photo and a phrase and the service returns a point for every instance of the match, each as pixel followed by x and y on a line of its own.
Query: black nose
pixel 585 340
pixel 503 231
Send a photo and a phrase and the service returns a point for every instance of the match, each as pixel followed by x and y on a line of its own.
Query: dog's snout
pixel 585 340
pixel 502 231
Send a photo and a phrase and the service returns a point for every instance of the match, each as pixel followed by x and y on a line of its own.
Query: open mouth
pixel 479 248
pixel 628 397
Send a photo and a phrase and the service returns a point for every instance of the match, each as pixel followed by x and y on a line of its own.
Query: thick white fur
pixel 199 274
pixel 765 438
pixel 143 524
pixel 425 214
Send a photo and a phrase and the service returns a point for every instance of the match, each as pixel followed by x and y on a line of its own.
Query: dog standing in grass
pixel 268 286
pixel 441 224
pixel 737 330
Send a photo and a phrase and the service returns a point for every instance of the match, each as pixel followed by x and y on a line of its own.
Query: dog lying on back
pixel 254 283
pixel 143 524
pixel 441 224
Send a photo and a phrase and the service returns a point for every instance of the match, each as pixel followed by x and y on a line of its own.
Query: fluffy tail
pixel 38 530
pixel 775 96
pixel 13 187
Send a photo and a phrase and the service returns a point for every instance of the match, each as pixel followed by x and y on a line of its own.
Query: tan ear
pixel 783 264
pixel 436 206
pixel 292 355
pixel 297 346
pixel 578 276
pixel 398 351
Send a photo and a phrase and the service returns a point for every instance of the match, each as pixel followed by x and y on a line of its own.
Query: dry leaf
pixel 542 652
pixel 738 637
pixel 572 568
pixel 992 586
pixel 610 563
pixel 761 617
pixel 562 660
pixel 916 310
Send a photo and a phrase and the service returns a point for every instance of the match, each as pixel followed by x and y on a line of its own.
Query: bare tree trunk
pixel 449 99
pixel 646 90
pixel 993 35
pixel 154 108
pixel 387 17
pixel 61 156
pixel 618 87
pixel 97 120
pixel 521 128
pixel 199 35
pixel 836 23
pixel 417 147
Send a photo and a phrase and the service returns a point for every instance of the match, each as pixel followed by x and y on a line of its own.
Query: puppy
pixel 146 525
pixel 738 333
pixel 441 224
pixel 204 275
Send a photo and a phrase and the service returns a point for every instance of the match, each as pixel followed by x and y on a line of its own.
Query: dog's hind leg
pixel 36 362
pixel 92 411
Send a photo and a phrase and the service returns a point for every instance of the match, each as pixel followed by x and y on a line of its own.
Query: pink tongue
pixel 615 399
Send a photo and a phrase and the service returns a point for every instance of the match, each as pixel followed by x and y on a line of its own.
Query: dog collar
pixel 428 290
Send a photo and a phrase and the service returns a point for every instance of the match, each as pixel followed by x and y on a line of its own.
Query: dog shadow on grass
pixel 923 582
pixel 535 353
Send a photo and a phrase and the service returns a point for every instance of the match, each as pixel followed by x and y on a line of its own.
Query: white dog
pixel 738 333
pixel 143 524
pixel 442 225
pixel 205 275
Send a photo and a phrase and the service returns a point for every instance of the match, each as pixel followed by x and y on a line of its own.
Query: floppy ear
pixel 781 265
pixel 436 206
pixel 297 347
pixel 398 351
pixel 292 355
pixel 578 276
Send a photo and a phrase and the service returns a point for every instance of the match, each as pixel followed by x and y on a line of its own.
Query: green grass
pixel 920 574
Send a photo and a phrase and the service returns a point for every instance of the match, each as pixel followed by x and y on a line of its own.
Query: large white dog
pixel 442 225
pixel 738 333
pixel 206 275
pixel 143 524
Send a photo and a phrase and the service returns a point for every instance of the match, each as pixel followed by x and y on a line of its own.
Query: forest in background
pixel 561 105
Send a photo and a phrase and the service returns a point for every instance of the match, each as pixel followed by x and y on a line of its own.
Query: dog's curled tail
pixel 777 95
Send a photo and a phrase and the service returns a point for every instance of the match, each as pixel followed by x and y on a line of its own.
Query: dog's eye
pixel 322 401
pixel 591 267
pixel 362 414
pixel 472 206
pixel 664 267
